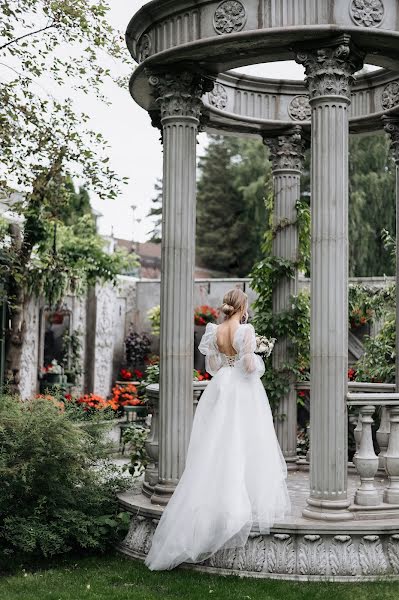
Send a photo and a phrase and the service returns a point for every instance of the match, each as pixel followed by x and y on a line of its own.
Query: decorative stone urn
pixel 152 443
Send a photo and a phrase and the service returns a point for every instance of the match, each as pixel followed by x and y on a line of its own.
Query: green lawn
pixel 113 577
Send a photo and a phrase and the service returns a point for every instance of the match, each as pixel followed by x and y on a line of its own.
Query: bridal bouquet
pixel 264 345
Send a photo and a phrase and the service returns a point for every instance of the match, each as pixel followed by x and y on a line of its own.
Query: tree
pixel 371 205
pixel 46 144
pixel 156 211
pixel 231 213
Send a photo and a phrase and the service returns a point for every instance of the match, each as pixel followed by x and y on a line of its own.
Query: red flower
pixel 138 374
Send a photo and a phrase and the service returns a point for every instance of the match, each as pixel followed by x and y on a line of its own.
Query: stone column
pixel 329 75
pixel 287 161
pixel 179 98
pixel 391 126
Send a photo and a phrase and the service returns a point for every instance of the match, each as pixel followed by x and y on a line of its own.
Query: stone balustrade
pixel 366 461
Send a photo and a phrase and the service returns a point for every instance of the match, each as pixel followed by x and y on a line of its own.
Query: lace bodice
pixel 244 343
pixel 228 361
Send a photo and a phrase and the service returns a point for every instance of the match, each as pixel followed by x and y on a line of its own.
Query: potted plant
pixel 53 373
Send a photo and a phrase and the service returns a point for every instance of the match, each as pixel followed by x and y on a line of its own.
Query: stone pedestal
pixel 287 158
pixel 329 74
pixel 178 96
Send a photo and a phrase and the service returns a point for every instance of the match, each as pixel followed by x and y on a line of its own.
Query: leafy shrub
pixel 378 362
pixel 137 347
pixel 154 316
pixel 52 499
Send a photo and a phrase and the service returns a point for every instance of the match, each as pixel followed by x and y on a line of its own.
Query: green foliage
pixel 293 323
pixel 72 261
pixel 234 179
pixel 367 304
pixel 55 496
pixel 136 437
pixel 156 212
pixel 371 205
pixel 154 316
pixel 378 362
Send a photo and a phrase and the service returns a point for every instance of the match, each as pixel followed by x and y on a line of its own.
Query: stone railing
pixel 152 443
pixel 366 462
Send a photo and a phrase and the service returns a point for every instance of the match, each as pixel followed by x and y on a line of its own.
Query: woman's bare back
pixel 225 335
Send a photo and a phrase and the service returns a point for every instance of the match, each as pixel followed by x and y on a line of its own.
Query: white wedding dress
pixel 235 474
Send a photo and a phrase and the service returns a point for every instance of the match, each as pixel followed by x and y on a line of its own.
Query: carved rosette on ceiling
pixel 390 95
pixel 287 151
pixel 218 96
pixel 144 47
pixel 391 126
pixel 299 109
pixel 230 16
pixel 330 70
pixel 179 94
pixel 367 13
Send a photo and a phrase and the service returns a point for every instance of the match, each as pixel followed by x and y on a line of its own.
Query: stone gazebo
pixel 185 49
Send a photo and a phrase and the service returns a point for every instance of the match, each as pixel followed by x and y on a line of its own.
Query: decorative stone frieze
pixel 230 16
pixel 390 95
pixel 330 70
pixel 346 556
pixel 218 96
pixel 299 108
pixel 144 47
pixel 367 13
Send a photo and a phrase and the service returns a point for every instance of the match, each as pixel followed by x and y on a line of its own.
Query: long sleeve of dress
pixel 208 347
pixel 249 363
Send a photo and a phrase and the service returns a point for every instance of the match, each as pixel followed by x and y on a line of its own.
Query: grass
pixel 114 577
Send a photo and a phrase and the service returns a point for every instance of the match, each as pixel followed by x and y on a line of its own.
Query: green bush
pixel 378 361
pixel 56 495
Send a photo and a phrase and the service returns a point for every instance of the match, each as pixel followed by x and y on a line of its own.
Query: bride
pixel 235 474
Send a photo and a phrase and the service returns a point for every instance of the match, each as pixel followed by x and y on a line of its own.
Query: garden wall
pixel 104 317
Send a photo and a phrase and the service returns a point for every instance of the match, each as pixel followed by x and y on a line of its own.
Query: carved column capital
pixel 330 69
pixel 179 94
pixel 391 126
pixel 287 151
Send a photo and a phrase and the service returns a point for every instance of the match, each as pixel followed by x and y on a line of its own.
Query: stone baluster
pixel 178 96
pixel 383 436
pixel 329 76
pixel 286 153
pixel 391 493
pixel 366 461
pixel 357 433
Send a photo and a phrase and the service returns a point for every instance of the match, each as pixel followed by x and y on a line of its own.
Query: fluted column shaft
pixel 287 158
pixel 178 96
pixel 391 126
pixel 329 76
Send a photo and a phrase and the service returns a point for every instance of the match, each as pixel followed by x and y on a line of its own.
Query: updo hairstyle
pixel 233 302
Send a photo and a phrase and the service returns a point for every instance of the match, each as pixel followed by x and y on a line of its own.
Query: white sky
pixel 135 149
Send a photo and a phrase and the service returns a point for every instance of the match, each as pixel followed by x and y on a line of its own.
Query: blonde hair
pixel 233 302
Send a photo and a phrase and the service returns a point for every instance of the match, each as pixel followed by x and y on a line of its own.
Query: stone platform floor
pixel 298 487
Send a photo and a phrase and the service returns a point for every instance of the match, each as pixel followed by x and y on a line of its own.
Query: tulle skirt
pixel 234 479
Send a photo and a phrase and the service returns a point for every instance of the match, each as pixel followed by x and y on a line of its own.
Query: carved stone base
pixel 162 494
pixel 296 549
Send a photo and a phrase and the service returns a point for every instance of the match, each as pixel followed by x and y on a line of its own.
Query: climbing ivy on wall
pixel 293 323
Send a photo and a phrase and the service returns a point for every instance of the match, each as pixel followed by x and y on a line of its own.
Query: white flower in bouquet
pixel 264 345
